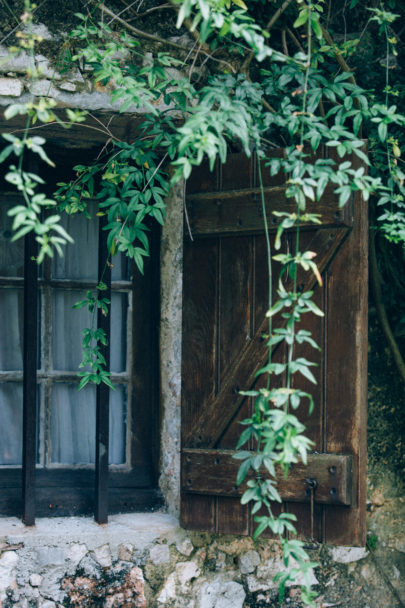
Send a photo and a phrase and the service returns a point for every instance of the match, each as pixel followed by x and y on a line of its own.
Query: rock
pixel 168 591
pixel 46 70
pixel 47 604
pixel 10 87
pixel 125 552
pixel 76 552
pixel 186 571
pixel 50 556
pixel 8 564
pixel 159 554
pixel 68 86
pixel 90 567
pixel 35 580
pixel 346 555
pixel 221 561
pixel 377 498
pixel 51 584
pixel 138 587
pixel 220 594
pixel 102 555
pixel 185 547
pixel 248 562
pixel 254 584
pixel 43 88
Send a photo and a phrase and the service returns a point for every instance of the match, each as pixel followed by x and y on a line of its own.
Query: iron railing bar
pixel 102 391
pixel 30 342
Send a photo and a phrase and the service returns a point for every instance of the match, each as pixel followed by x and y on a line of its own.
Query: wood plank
pixel 73 501
pixel 199 338
pixel 346 374
pixel 213 472
pixel 91 133
pixel 240 212
pixel 198 512
pixel 143 363
pixel 206 428
pixel 235 295
pixel 56 477
pixel 232 517
pixel 313 422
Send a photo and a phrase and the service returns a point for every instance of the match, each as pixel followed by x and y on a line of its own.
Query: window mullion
pixel 30 378
pixel 103 392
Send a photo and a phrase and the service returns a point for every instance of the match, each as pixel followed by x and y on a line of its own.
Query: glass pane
pixel 73 419
pixel 11 329
pixel 11 398
pixel 69 322
pixel 118 342
pixel 118 425
pixel 67 326
pixel 11 254
pixel 120 267
pixel 80 259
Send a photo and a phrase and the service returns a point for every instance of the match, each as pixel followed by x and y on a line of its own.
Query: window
pixel 38 380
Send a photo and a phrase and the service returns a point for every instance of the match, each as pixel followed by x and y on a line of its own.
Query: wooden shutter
pixel 224 305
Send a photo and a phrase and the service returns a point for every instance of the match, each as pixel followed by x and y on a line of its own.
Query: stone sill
pixel 138 529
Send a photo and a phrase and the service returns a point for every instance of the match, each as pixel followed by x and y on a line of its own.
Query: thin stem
pixel 268 251
pixel 269 26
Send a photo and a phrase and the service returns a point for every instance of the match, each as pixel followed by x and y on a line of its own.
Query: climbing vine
pixel 233 84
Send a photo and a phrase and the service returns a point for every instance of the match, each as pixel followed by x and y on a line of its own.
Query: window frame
pixel 41 491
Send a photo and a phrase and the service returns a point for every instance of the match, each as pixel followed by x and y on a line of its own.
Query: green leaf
pixel 302 18
pixel 242 472
pixel 382 131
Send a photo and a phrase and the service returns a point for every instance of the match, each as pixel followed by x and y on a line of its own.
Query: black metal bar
pixel 103 392
pixel 30 379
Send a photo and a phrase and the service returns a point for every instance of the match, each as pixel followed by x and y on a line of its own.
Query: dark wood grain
pixel 208 475
pixel 214 472
pixel 198 512
pixel 346 374
pixel 237 212
pixel 217 413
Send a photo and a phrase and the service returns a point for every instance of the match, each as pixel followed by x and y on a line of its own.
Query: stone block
pixel 35 580
pixel 168 591
pixel 249 561
pixel 8 565
pixel 186 572
pixel 220 594
pixel 70 87
pixel 185 546
pixel 11 87
pixel 43 88
pixel 126 552
pixel 346 555
pixel 159 554
pixel 76 552
pixel 102 555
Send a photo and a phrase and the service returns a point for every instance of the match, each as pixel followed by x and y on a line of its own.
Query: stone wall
pixel 147 561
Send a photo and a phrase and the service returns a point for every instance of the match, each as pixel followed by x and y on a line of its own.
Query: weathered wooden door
pixel 225 287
